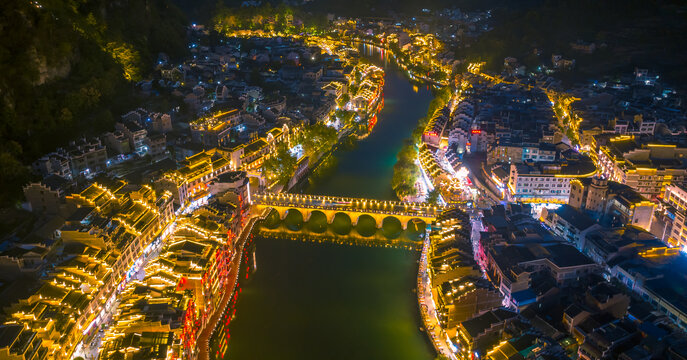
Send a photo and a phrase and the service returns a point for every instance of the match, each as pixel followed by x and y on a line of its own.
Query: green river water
pixel 324 301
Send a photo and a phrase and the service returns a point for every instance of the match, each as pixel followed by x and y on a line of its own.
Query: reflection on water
pixel 328 300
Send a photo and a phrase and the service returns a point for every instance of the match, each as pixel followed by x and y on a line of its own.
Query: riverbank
pixel 308 298
pixel 211 325
pixel 427 307
pixel 327 301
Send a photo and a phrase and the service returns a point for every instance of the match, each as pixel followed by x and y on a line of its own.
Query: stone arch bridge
pixel 354 208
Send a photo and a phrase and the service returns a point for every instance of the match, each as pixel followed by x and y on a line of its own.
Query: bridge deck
pixel 346 204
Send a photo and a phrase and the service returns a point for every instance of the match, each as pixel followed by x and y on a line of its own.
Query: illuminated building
pixel 370 89
pixel 514 153
pixel 72 297
pixel 459 300
pixel 190 181
pixel 182 288
pixel 676 197
pixel 458 289
pixel 547 182
pixel 647 168
pixel 214 131
pixel 483 331
pixel 434 131
pixel 114 226
pixel 19 343
pixel 251 156
pixel 610 202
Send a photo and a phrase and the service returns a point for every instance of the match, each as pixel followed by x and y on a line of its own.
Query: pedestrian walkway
pixel 427 307
pixel 203 342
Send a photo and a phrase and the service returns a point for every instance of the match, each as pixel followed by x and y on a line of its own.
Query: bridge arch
pixel 341 223
pixel 293 219
pixel 317 221
pixel 392 227
pixel 415 225
pixel 366 225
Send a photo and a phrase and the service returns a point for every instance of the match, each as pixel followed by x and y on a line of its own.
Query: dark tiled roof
pixel 574 217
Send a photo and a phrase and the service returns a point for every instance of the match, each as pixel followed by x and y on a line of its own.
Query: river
pixel 325 301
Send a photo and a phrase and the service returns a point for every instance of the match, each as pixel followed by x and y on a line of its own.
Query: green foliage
pixel 281 165
pixel 67 67
pixel 433 196
pixel 645 33
pixel 419 129
pixel 406 171
pixel 281 18
pixel 15 174
pixel 127 58
pixel 440 100
pixel 317 138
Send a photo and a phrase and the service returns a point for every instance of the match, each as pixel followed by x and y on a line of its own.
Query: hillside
pixel 68 69
pixel 627 33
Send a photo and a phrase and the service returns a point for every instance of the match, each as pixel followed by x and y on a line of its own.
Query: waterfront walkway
pixel 203 342
pixel 427 307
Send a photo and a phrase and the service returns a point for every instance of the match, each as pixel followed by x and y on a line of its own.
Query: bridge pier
pixel 379 221
pixel 353 208
pixel 330 216
pixel 306 214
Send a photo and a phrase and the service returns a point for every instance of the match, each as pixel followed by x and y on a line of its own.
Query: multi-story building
pixel 134 132
pixel 180 292
pixel 656 274
pixel 161 122
pixel 56 163
pixel 190 181
pixel 117 142
pixel 47 196
pixel 675 197
pixel 611 203
pixel 250 156
pixel 69 302
pixel 483 331
pixel 514 266
pixel 647 168
pixel 434 131
pixel 17 342
pixel 514 153
pixel 156 144
pixel 114 226
pixel 87 156
pixel 214 131
pixel 547 182
pixel 568 223
pixel 520 253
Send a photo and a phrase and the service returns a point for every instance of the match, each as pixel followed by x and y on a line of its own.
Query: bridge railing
pixel 349 204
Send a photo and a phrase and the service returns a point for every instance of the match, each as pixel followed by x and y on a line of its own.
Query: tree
pixel 406 171
pixel 280 165
pixel 345 98
pixel 433 196
pixel 318 137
